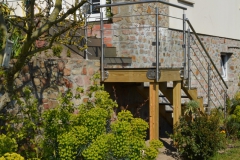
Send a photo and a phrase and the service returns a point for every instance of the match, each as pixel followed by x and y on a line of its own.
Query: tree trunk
pixel 4 99
pixel 3 35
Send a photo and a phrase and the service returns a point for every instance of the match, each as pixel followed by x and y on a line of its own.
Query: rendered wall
pixel 211 17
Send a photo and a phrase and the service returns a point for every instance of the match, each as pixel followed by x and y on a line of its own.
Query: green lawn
pixel 229 153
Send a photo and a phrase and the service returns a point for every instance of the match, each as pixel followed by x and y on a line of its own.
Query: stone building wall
pixel 48 77
pixel 133 31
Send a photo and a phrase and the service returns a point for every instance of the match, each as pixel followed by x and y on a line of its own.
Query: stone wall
pixel 133 31
pixel 48 77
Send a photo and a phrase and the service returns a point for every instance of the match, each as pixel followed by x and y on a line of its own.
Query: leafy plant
pixel 17 38
pixel 23 124
pixel 233 118
pixel 11 156
pixel 57 50
pixel 191 109
pixel 7 145
pixel 68 53
pixel 199 139
pixel 89 133
pixel 126 140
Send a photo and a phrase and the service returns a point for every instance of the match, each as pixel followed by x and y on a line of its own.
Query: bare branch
pixel 53 19
pixel 16 24
pixel 52 40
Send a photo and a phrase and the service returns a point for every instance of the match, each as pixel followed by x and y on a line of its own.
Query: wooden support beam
pixel 154 110
pixel 176 101
pixel 200 102
pixel 139 75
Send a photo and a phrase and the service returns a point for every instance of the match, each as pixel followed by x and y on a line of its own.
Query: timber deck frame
pixel 139 75
pixel 125 75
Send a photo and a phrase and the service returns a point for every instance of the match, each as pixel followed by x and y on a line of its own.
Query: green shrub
pixel 11 156
pixel 24 126
pixel 233 117
pixel 57 50
pixel 89 133
pixel 233 124
pixel 7 145
pixel 68 53
pixel 236 112
pixel 125 141
pixel 199 139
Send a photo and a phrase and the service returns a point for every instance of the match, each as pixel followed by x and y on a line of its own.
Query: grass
pixel 230 153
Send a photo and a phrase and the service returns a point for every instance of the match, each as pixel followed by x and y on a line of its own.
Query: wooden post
pixel 154 110
pixel 176 101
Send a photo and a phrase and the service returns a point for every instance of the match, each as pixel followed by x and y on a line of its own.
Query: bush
pixel 7 145
pixel 233 118
pixel 199 139
pixel 57 50
pixel 125 141
pixel 77 132
pixel 11 156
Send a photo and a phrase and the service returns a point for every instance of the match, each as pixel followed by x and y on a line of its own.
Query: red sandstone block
pixel 90 71
pixel 134 58
pixel 87 80
pixel 107 33
pixel 44 100
pixel 25 69
pixel 60 66
pixel 108 45
pixel 107 26
pixel 68 83
pixel 84 71
pixel 79 81
pixel 46 106
pixel 96 27
pixel 107 39
pixel 66 72
pixel 114 10
pixel 85 100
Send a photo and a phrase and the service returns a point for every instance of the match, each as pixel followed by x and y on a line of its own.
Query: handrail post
pixel 209 86
pixel 86 38
pixel 225 104
pixel 102 46
pixel 189 60
pixel 184 45
pixel 157 46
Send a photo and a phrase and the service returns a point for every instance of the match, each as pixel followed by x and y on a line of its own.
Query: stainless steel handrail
pixel 190 25
pixel 139 2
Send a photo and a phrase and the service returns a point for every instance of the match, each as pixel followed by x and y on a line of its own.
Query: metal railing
pixel 157 31
pixel 208 78
pixel 216 87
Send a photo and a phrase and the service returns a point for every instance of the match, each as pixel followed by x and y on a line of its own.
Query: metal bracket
pixel 151 74
pixel 181 73
pixel 154 43
pixel 106 74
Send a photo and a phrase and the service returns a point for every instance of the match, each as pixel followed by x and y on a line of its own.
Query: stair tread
pixel 181 96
